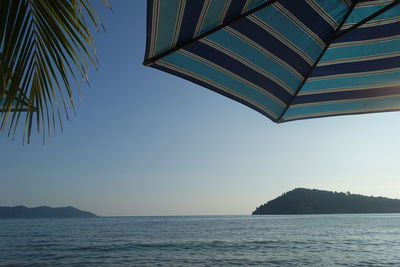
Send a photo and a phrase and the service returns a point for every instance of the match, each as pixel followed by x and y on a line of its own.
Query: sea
pixel 268 240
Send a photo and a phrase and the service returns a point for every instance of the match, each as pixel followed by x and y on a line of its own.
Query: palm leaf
pixel 46 48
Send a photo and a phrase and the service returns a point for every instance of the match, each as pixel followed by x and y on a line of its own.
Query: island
pixel 313 201
pixel 44 212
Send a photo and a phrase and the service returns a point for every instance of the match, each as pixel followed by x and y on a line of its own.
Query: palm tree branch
pixel 44 45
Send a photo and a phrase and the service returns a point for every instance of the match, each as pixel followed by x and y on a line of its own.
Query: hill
pixel 313 201
pixel 44 212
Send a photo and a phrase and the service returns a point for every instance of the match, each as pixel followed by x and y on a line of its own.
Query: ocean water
pixel 293 240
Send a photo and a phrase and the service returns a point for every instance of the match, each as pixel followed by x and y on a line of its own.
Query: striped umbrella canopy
pixel 287 59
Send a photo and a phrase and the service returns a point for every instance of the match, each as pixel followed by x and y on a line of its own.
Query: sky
pixel 144 142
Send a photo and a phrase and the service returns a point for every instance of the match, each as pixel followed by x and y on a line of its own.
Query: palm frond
pixel 46 48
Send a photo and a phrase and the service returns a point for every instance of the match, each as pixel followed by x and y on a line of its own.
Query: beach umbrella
pixel 287 59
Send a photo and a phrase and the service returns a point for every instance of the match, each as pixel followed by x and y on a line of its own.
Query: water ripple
pixel 336 240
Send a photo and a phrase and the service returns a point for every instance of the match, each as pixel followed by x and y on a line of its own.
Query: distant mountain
pixel 313 201
pixel 44 212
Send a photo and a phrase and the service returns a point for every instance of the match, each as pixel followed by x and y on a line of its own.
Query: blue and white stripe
pixel 277 56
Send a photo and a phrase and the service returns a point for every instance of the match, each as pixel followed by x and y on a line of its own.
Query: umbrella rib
pixel 150 61
pixel 374 15
pixel 318 60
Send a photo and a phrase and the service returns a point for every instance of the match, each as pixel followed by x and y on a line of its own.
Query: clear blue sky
pixel 147 143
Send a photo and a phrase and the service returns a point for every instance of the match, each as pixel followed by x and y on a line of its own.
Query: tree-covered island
pixel 313 201
pixel 44 212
